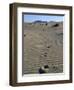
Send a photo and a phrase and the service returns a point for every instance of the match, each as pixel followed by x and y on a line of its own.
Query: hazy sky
pixel 33 17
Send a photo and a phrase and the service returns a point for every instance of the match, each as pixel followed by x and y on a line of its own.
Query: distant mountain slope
pixel 43 24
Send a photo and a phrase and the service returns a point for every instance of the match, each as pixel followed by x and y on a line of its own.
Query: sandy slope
pixel 43 45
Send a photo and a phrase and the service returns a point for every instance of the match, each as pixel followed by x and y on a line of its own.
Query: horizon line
pixel 42 21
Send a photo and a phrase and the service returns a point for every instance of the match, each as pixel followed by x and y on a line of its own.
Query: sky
pixel 34 17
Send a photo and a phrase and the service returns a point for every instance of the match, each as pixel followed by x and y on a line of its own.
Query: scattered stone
pixel 56 25
pixel 41 71
pixel 46 66
pixel 48 46
pixel 24 35
pixel 55 68
pixel 44 69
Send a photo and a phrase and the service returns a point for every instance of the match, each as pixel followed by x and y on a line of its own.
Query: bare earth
pixel 43 45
